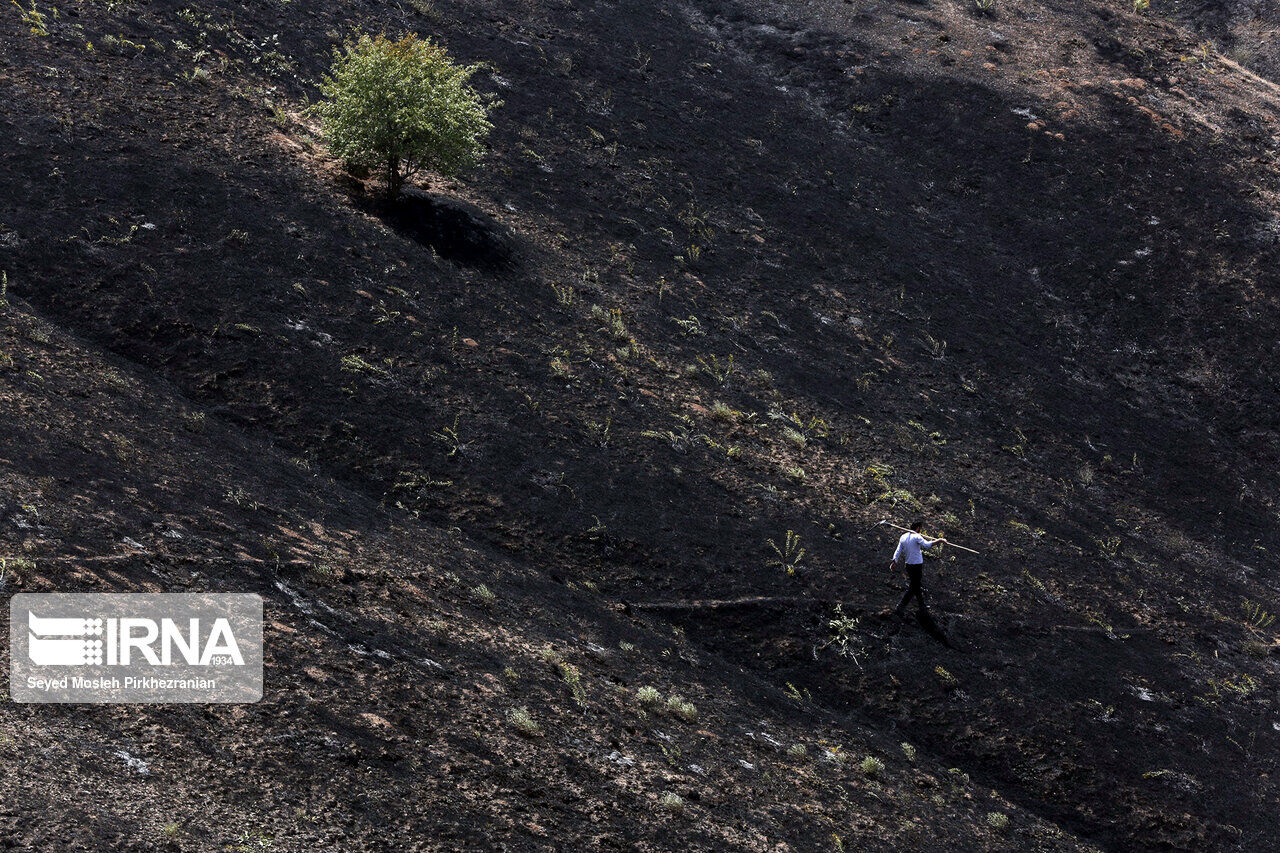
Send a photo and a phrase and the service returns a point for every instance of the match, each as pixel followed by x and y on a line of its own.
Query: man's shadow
pixel 932 628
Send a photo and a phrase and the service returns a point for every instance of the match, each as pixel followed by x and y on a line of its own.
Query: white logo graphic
pixel 135 647
pixel 70 642
pixel 64 642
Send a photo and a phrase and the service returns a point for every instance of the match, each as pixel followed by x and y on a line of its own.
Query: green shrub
pixel 402 107
pixel 572 676
pixel 524 722
pixel 672 802
pixel 723 412
pixel 871 766
pixel 686 711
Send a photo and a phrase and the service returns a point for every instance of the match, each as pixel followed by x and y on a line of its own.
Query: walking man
pixel 911 546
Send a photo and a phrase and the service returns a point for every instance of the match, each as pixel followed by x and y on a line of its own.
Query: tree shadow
pixel 457 231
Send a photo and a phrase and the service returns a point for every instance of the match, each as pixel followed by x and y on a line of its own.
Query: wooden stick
pixel 885 521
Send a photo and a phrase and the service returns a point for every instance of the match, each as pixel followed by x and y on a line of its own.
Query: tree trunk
pixel 394 180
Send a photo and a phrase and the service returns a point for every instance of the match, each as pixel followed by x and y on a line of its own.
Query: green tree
pixel 401 107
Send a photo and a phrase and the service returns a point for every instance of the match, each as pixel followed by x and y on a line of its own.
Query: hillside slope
pixel 733 270
pixel 390 678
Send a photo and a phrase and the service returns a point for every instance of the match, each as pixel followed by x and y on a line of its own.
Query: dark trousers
pixel 914 575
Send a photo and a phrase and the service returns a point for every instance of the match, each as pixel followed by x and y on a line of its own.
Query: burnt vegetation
pixel 560 474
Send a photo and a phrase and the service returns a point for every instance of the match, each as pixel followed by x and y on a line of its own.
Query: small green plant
pixel 795 438
pixel 483 596
pixel 1256 648
pixel 789 555
pixel 797 750
pixel 4 288
pixel 572 676
pixel 449 437
pixel 837 755
pixel 909 751
pixel 985 7
pixel 1109 546
pixel 14 569
pixel 648 696
pixel 560 369
pixel 1141 6
pixel 121 46
pixel 279 115
pixel 170 831
pixel 672 802
pixel 682 438
pixel 565 294
pixel 796 694
pixel 403 107
pixel 598 432
pixel 871 766
pixel 879 473
pixel 682 709
pixel 611 322
pixel 427 10
pixel 1018 448
pixel 723 412
pixel 998 821
pixel 239 497
pixel 524 723
pixel 936 347
pixel 34 20
pixel 254 840
pixel 1242 687
pixel 356 364
pixel 715 368
pixel 324 568
pixel 844 635
pixel 199 74
pixel 948 680
pixel 626 647
pixel 1255 617
pixel 691 326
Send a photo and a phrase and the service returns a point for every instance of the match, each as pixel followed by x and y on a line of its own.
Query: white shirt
pixel 909 547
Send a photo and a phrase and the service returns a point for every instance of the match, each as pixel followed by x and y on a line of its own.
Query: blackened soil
pixel 742 269
pixel 455 230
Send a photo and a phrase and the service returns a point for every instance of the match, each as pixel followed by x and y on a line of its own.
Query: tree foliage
pixel 401 107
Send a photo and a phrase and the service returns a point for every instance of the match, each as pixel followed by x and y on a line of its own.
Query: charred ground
pixel 732 270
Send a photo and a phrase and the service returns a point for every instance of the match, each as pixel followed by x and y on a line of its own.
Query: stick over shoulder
pixel 887 523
